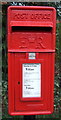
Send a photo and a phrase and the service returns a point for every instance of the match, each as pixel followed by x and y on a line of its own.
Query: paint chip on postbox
pixel 31 54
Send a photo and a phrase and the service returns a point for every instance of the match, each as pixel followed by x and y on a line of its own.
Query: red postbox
pixel 31 51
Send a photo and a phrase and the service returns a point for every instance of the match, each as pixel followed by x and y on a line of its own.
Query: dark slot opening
pixel 19 28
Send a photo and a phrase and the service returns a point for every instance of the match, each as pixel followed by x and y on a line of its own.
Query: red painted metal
pixel 31 29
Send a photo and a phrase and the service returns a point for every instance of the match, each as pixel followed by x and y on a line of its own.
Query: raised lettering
pixel 26 16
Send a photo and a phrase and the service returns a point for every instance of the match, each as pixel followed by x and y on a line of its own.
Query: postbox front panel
pixel 26 102
pixel 31 51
